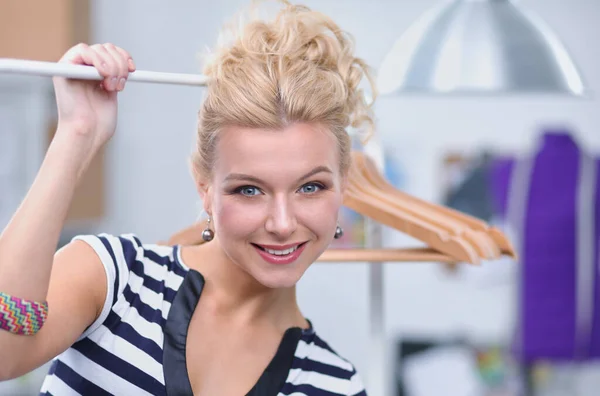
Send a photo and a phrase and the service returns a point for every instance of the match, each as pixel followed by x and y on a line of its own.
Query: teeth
pixel 281 252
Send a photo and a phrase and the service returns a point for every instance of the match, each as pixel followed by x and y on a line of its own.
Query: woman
pixel 133 318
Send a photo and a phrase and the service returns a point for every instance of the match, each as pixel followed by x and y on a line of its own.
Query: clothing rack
pixel 450 236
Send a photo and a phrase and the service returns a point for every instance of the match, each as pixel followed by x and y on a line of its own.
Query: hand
pixel 87 107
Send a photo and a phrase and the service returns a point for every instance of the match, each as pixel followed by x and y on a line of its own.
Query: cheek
pixel 235 219
pixel 320 216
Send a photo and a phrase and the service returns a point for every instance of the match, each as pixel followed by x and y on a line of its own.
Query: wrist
pixel 20 316
pixel 78 128
pixel 72 147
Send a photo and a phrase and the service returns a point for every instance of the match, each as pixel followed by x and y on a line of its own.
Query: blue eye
pixel 310 188
pixel 248 191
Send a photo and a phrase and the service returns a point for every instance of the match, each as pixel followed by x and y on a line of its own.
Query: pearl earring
pixel 208 234
pixel 338 232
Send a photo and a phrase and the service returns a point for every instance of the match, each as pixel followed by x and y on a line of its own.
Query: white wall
pixel 152 194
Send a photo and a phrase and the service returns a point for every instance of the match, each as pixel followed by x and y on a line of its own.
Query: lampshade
pixel 479 47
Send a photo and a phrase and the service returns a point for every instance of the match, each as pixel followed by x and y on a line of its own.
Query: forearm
pixel 29 241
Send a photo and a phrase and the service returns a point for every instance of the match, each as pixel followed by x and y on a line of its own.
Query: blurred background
pixel 482 111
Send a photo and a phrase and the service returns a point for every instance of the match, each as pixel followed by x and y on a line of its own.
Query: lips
pixel 280 254
pixel 279 247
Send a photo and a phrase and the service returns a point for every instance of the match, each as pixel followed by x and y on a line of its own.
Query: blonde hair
pixel 299 67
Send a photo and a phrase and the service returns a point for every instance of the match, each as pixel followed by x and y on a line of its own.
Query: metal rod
pixel 41 68
pixel 377 374
pixel 408 255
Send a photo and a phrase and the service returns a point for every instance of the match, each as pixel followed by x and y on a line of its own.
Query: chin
pixel 278 281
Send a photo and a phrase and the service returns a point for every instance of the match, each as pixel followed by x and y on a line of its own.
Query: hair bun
pixel 298 66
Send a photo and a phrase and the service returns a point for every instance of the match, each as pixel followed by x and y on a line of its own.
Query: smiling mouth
pixel 279 252
pixel 280 255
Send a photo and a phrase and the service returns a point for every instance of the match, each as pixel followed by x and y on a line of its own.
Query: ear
pixel 205 192
pixel 344 183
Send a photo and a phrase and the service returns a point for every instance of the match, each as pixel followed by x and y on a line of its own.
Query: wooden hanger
pixel 489 242
pixel 499 244
pixel 450 236
pixel 371 201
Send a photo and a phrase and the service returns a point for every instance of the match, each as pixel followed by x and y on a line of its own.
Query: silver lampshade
pixel 479 47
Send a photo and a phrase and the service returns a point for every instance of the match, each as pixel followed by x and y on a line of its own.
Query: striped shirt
pixel 137 344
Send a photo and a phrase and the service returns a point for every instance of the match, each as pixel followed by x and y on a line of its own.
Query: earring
pixel 338 232
pixel 208 234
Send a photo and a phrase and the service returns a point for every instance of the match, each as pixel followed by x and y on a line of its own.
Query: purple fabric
pixel 548 260
pixel 595 342
pixel 499 182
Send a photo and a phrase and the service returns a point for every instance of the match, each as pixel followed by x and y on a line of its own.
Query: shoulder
pixel 125 253
pixel 318 365
pixel 141 276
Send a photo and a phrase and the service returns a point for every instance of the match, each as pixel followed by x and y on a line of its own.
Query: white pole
pixel 41 68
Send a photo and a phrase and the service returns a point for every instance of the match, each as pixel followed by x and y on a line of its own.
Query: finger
pixel 73 54
pixel 112 68
pixel 82 54
pixel 121 62
pixel 127 56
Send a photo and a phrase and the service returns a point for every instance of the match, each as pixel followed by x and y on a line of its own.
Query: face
pixel 274 199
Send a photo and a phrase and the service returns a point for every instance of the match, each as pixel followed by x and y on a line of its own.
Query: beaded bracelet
pixel 19 316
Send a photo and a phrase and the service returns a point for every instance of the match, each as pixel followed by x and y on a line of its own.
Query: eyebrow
pixel 253 179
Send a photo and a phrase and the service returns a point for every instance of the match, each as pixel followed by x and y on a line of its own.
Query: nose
pixel 281 220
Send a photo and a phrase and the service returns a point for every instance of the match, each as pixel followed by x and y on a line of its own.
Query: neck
pixel 230 291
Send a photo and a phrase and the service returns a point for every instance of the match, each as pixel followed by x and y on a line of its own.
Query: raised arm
pixel 71 281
